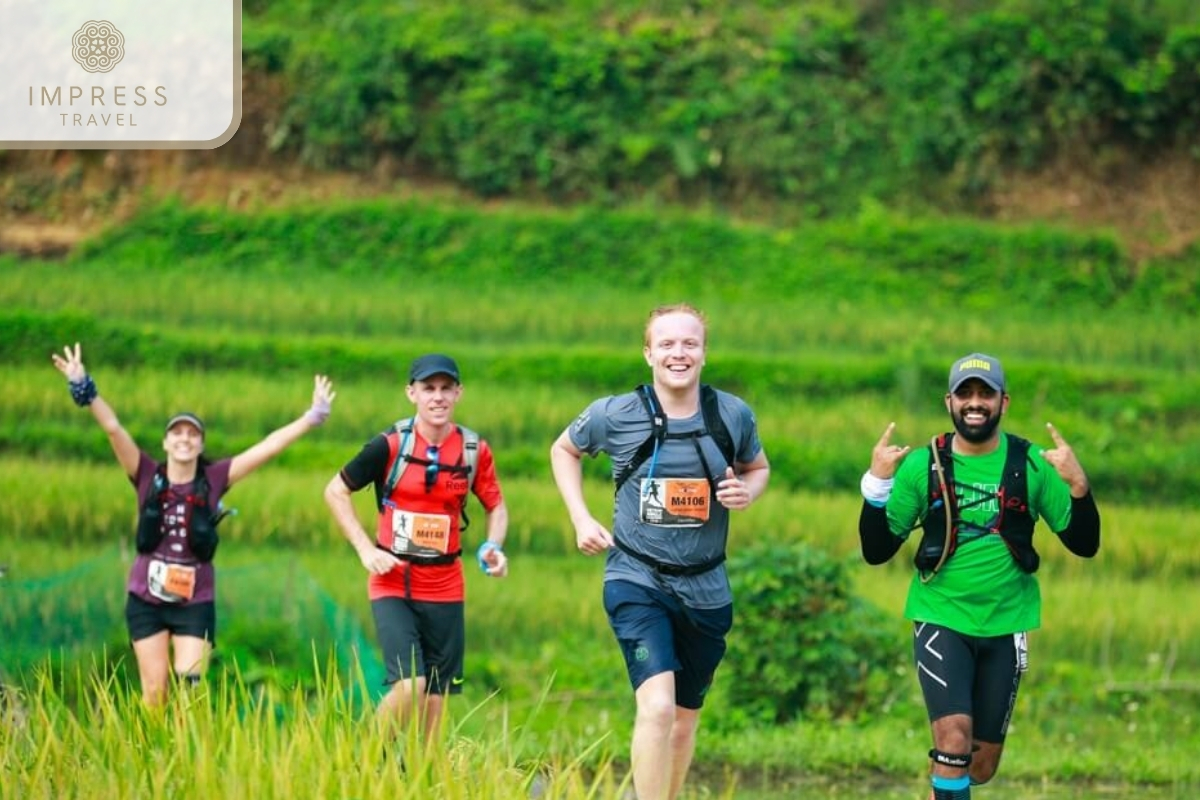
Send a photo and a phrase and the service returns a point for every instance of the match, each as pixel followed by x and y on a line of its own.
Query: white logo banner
pixel 136 74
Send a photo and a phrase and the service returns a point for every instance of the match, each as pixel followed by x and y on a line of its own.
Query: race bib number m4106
pixel 674 502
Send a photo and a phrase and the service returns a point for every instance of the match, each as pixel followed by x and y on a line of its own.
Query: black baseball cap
pixel 427 366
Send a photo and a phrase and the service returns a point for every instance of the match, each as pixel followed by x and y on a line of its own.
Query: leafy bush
pixel 810 103
pixel 802 644
pixel 1027 83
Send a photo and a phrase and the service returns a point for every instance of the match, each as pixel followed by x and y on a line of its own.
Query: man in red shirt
pixel 422 470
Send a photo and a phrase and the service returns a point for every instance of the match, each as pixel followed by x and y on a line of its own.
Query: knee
pixel 982 770
pixel 954 741
pixel 683 731
pixel 986 762
pixel 657 710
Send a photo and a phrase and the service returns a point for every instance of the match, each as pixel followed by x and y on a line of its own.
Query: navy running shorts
pixel 658 633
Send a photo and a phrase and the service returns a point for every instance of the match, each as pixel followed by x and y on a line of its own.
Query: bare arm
pixel 340 501
pixel 278 440
pixel 70 364
pixel 566 462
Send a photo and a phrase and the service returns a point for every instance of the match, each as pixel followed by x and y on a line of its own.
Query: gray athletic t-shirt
pixel 665 509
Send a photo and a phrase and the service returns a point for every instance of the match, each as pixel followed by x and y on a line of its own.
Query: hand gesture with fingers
pixel 732 491
pixel 1063 459
pixel 323 393
pixel 322 399
pixel 70 363
pixel 885 456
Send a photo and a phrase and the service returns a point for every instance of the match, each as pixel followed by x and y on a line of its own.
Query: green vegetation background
pixel 830 330
pixel 800 108
pixel 839 312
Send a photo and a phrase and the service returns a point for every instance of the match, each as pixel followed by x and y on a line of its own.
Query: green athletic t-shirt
pixel 980 590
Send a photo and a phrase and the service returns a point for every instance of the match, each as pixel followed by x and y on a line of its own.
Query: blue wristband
pixel 485 548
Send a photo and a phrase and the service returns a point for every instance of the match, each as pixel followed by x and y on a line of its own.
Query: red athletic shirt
pixel 432 518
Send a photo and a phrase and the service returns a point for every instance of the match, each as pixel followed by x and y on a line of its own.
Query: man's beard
pixel 976 434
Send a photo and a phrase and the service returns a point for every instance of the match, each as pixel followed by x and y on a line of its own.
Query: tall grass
pixel 1114 666
pixel 226 740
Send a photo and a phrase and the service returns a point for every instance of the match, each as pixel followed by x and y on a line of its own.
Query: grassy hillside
pixel 830 331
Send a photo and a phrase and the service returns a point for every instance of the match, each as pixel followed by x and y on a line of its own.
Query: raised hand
pixel 322 399
pixel 70 363
pixel 886 457
pixel 1063 459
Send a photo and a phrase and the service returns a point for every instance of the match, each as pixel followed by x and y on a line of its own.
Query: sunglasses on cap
pixel 431 469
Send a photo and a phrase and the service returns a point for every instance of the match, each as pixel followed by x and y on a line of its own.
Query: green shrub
pixel 815 104
pixel 802 644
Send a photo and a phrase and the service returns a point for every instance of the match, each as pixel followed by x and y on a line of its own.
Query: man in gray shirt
pixel 683 456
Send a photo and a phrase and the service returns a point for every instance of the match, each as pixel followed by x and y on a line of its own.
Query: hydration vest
pixel 201 523
pixel 1013 522
pixel 401 445
pixel 714 427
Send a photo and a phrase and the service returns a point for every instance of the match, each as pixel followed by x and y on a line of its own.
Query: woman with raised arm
pixel 171 586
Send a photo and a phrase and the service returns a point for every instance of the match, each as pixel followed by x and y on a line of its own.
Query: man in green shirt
pixel 976 493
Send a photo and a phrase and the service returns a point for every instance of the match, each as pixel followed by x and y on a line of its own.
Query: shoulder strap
pixel 159 484
pixel 402 428
pixel 714 423
pixel 200 483
pixel 658 423
pixel 941 457
pixel 1015 482
pixel 470 452
pixel 940 539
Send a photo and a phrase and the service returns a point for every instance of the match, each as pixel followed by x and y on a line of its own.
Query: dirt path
pixel 40 239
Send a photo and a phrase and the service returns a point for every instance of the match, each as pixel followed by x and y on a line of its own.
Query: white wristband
pixel 876 491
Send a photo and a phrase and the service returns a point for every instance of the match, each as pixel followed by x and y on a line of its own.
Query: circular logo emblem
pixel 98 46
pixel 641 654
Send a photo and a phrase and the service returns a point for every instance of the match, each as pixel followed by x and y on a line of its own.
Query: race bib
pixel 674 502
pixel 420 534
pixel 171 583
